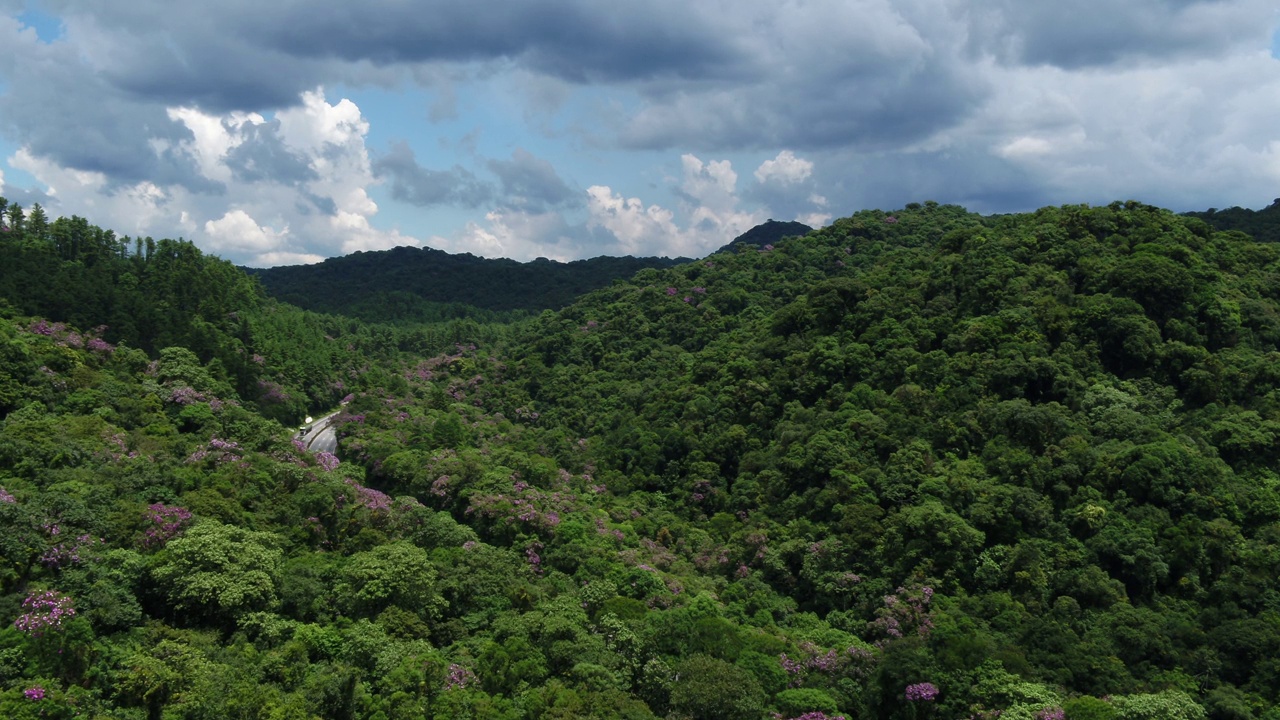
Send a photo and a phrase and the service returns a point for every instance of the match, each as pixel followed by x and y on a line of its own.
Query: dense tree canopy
pixel 919 464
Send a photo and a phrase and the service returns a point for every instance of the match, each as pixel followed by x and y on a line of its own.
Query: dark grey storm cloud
pixel 711 75
pixel 414 184
pixel 575 39
pixel 1087 33
pixel 241 54
pixel 263 155
pixel 530 183
pixel 58 109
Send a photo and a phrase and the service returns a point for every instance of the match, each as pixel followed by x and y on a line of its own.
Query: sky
pixel 284 132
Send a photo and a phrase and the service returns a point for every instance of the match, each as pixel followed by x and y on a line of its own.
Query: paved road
pixel 321 437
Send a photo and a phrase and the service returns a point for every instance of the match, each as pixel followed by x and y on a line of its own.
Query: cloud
pixel 159 117
pixel 712 216
pixel 636 226
pixel 238 232
pixel 520 235
pixel 530 182
pixel 133 208
pixel 785 185
pixel 786 168
pixel 1093 33
pixel 416 185
pixel 292 188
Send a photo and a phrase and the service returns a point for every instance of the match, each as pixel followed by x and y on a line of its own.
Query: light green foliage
pixel 219 570
pixel 397 574
pixel 1167 705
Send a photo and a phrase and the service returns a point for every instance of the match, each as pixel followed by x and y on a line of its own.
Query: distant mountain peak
pixel 768 232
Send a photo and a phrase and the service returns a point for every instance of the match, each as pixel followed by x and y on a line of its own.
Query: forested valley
pixel 915 464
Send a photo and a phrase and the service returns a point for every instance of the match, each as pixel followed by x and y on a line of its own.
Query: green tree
pixel 219 571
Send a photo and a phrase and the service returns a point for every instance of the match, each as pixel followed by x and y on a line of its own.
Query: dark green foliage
pixel 426 285
pixel 767 233
pixel 1027 462
pixel 1264 224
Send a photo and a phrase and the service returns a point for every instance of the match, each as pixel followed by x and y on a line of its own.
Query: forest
pixel 915 464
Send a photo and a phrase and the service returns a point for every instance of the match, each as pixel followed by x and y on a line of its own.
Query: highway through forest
pixel 319 435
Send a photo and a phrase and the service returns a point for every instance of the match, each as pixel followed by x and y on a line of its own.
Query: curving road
pixel 320 437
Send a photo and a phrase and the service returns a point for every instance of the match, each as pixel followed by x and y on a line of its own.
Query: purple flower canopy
pixel 922 691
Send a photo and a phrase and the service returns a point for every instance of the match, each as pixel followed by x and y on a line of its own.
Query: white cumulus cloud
pixel 785 168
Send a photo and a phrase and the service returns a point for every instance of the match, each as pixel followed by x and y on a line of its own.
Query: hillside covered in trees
pixel 424 284
pixel 1263 225
pixel 914 464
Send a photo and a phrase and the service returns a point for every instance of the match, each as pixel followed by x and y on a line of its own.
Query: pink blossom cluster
pixel 368 497
pixel 657 553
pixel 184 395
pixel 702 490
pixel 167 521
pixel 891 219
pixel 904 612
pixel 100 345
pixel 814 660
pixel 440 487
pixel 43 327
pixel 35 692
pixel 793 668
pixel 272 392
pixel 44 611
pixel 6 498
pixel 220 450
pixel 1054 713
pixel 527 504
pixel 327 460
pixel 458 677
pixel 535 560
pixel 66 553
pixel 921 692
pixel 814 715
pixel 218 443
pixel 602 530
pixel 672 291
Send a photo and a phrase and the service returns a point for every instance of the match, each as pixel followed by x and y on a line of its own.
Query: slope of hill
pixel 427 284
pixel 1054 434
pixel 152 295
pixel 920 464
pixel 768 232
pixel 1263 225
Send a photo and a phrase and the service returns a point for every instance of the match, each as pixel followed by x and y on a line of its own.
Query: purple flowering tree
pixel 905 613
pixel 165 523
pixel 458 677
pixel 921 692
pixel 43 612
